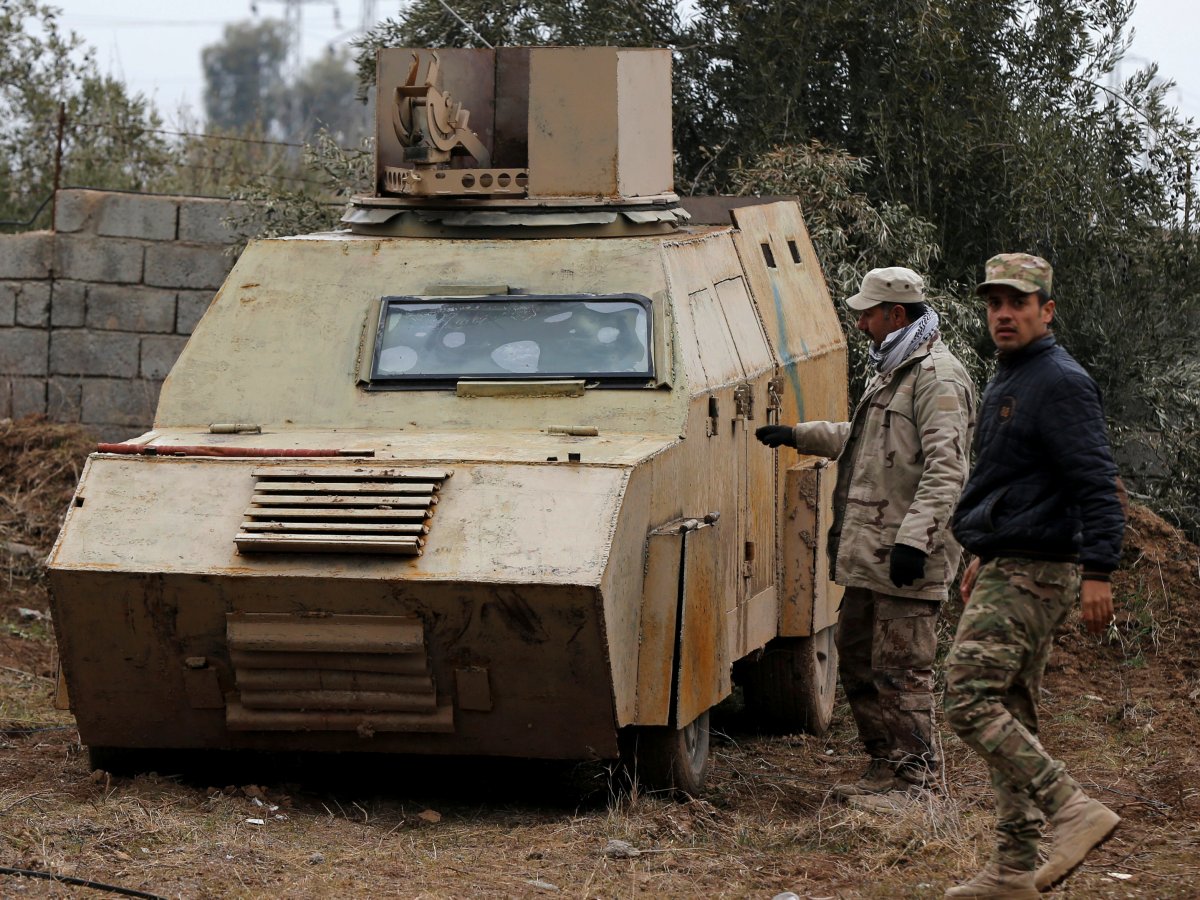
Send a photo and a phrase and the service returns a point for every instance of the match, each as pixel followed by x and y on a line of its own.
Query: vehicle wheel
pixel 789 686
pixel 662 758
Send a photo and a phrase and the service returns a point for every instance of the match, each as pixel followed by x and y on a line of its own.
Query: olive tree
pixel 107 136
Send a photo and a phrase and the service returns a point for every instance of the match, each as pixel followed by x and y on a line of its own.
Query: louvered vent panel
pixel 340 509
pixel 332 673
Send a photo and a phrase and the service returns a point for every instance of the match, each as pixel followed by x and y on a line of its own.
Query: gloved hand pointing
pixel 776 435
pixel 907 565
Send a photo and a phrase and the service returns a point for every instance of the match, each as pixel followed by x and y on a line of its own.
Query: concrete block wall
pixel 94 313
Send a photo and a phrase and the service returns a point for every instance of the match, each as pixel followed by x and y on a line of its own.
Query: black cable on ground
pixel 79 882
pixel 22 730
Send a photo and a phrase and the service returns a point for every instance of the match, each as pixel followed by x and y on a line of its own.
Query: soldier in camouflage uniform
pixel 1043 501
pixel 902 461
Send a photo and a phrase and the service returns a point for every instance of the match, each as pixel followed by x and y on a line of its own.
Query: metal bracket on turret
pixel 430 124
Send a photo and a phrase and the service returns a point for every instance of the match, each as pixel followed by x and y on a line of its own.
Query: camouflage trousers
pixel 886 647
pixel 993 677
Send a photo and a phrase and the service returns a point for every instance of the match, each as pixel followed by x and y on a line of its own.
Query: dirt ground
pixel 1121 710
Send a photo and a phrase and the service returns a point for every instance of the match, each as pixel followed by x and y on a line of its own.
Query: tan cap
pixel 1022 271
pixel 895 284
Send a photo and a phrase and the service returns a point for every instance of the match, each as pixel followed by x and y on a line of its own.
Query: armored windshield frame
pixel 384 380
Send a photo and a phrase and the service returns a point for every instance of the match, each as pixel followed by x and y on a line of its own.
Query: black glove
pixel 908 564
pixel 776 435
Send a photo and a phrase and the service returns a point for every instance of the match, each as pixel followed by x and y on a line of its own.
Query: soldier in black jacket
pixel 1042 502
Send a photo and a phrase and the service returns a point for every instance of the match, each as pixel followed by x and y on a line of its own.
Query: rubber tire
pixel 666 759
pixel 789 686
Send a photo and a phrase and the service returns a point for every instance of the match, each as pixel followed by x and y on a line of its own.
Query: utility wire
pixel 466 25
pixel 214 137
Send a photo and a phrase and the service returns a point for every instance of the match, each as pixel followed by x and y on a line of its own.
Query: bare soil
pixel 1121 710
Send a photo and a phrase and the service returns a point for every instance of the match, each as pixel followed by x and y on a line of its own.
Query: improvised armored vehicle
pixel 477 474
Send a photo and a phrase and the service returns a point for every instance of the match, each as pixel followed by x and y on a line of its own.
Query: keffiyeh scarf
pixel 899 344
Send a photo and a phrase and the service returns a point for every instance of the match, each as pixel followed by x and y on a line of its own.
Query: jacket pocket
pixel 989 508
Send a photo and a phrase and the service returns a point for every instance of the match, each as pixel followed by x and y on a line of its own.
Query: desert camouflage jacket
pixel 902 462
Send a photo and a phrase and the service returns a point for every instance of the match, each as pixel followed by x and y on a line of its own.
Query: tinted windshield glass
pixel 513 337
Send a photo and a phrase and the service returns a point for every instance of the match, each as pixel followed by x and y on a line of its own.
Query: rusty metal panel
pixel 796 310
pixel 494 523
pixel 656 640
pixel 826 613
pixel 380 545
pixel 573 124
pixel 707 345
pixel 744 326
pixel 622 589
pixel 762 497
pixel 645 164
pixel 809 600
pixel 350 678
pixel 282 633
pixel 704 664
pixel 363 724
pixel 325 664
pixel 511 146
pixel 401 478
pixel 128 689
pixel 717 352
pixel 371 701
pixel 752 623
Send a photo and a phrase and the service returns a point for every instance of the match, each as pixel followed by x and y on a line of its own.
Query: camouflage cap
pixel 895 284
pixel 1023 271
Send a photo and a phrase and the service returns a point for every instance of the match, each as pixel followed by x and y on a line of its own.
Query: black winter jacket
pixel 1044 484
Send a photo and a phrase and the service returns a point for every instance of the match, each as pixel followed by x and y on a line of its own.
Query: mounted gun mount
pixel 490 486
pixel 430 125
pixel 524 137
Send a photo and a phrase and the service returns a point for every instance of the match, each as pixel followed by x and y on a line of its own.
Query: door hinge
pixel 743 401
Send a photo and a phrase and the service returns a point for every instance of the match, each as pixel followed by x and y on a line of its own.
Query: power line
pixel 214 137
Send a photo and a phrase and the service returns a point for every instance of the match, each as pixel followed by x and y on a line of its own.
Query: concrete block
pixel 119 401
pixel 113 307
pixel 186 265
pixel 33 304
pixel 28 397
pixel 99 259
pixel 138 216
pixel 190 306
pixel 76 210
pixel 67 306
pixel 111 353
pixel 9 290
pixel 27 255
pixel 159 353
pixel 23 351
pixel 63 397
pixel 200 220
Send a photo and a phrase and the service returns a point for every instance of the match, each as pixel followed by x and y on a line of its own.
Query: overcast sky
pixel 155 47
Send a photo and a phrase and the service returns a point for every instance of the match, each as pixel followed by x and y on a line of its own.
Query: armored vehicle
pixel 476 474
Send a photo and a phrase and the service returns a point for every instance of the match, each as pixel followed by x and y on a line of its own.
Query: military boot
pixel 1080 825
pixel 879 778
pixel 996 882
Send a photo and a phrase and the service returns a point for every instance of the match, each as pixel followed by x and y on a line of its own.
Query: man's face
pixel 1014 319
pixel 881 320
